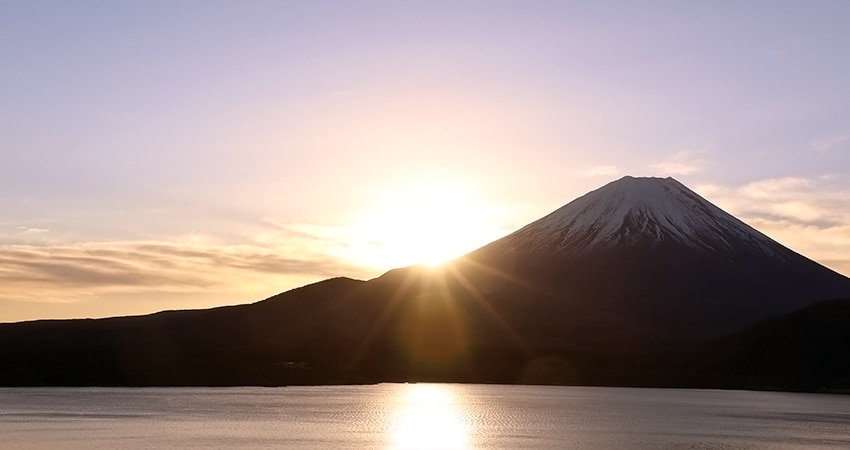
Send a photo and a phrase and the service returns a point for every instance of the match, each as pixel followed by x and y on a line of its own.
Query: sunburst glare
pixel 423 222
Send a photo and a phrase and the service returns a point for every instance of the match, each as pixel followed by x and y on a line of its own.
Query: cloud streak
pixel 809 215
pixel 71 271
pixel 684 162
pixel 600 171
pixel 830 142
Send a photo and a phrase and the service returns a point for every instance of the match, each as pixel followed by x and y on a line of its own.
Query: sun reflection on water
pixel 428 417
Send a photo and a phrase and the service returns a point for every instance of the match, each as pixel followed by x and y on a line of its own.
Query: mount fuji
pixel 654 254
pixel 640 282
pixel 634 211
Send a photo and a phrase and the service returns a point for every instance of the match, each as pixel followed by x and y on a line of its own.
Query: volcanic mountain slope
pixel 638 211
pixel 627 285
pixel 653 250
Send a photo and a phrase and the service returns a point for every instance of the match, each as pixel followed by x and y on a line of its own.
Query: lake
pixel 426 416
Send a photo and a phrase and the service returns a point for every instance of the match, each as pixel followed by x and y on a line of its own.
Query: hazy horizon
pixel 172 156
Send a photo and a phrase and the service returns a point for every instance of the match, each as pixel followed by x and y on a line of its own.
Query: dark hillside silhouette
pixel 641 282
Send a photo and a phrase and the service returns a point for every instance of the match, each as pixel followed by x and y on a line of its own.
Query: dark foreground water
pixel 426 416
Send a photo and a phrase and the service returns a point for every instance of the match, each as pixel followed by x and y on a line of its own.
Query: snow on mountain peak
pixel 634 210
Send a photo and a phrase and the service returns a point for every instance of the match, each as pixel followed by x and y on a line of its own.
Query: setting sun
pixel 428 221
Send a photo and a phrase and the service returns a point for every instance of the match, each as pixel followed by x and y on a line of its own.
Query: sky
pixel 161 155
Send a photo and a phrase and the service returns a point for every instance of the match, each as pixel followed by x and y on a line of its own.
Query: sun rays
pixel 438 320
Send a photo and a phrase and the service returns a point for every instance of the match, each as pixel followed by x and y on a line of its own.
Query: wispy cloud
pixel 684 162
pixel 67 272
pixel 11 231
pixel 600 171
pixel 773 187
pixel 830 142
pixel 673 168
pixel 808 201
pixel 32 230
pixel 809 215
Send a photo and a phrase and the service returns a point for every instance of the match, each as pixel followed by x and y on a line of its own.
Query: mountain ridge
pixel 649 310
pixel 632 208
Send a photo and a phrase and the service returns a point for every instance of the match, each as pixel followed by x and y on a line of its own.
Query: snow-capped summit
pixel 633 211
pixel 650 250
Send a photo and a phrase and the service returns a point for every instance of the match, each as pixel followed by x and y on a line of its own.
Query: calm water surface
pixel 426 416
